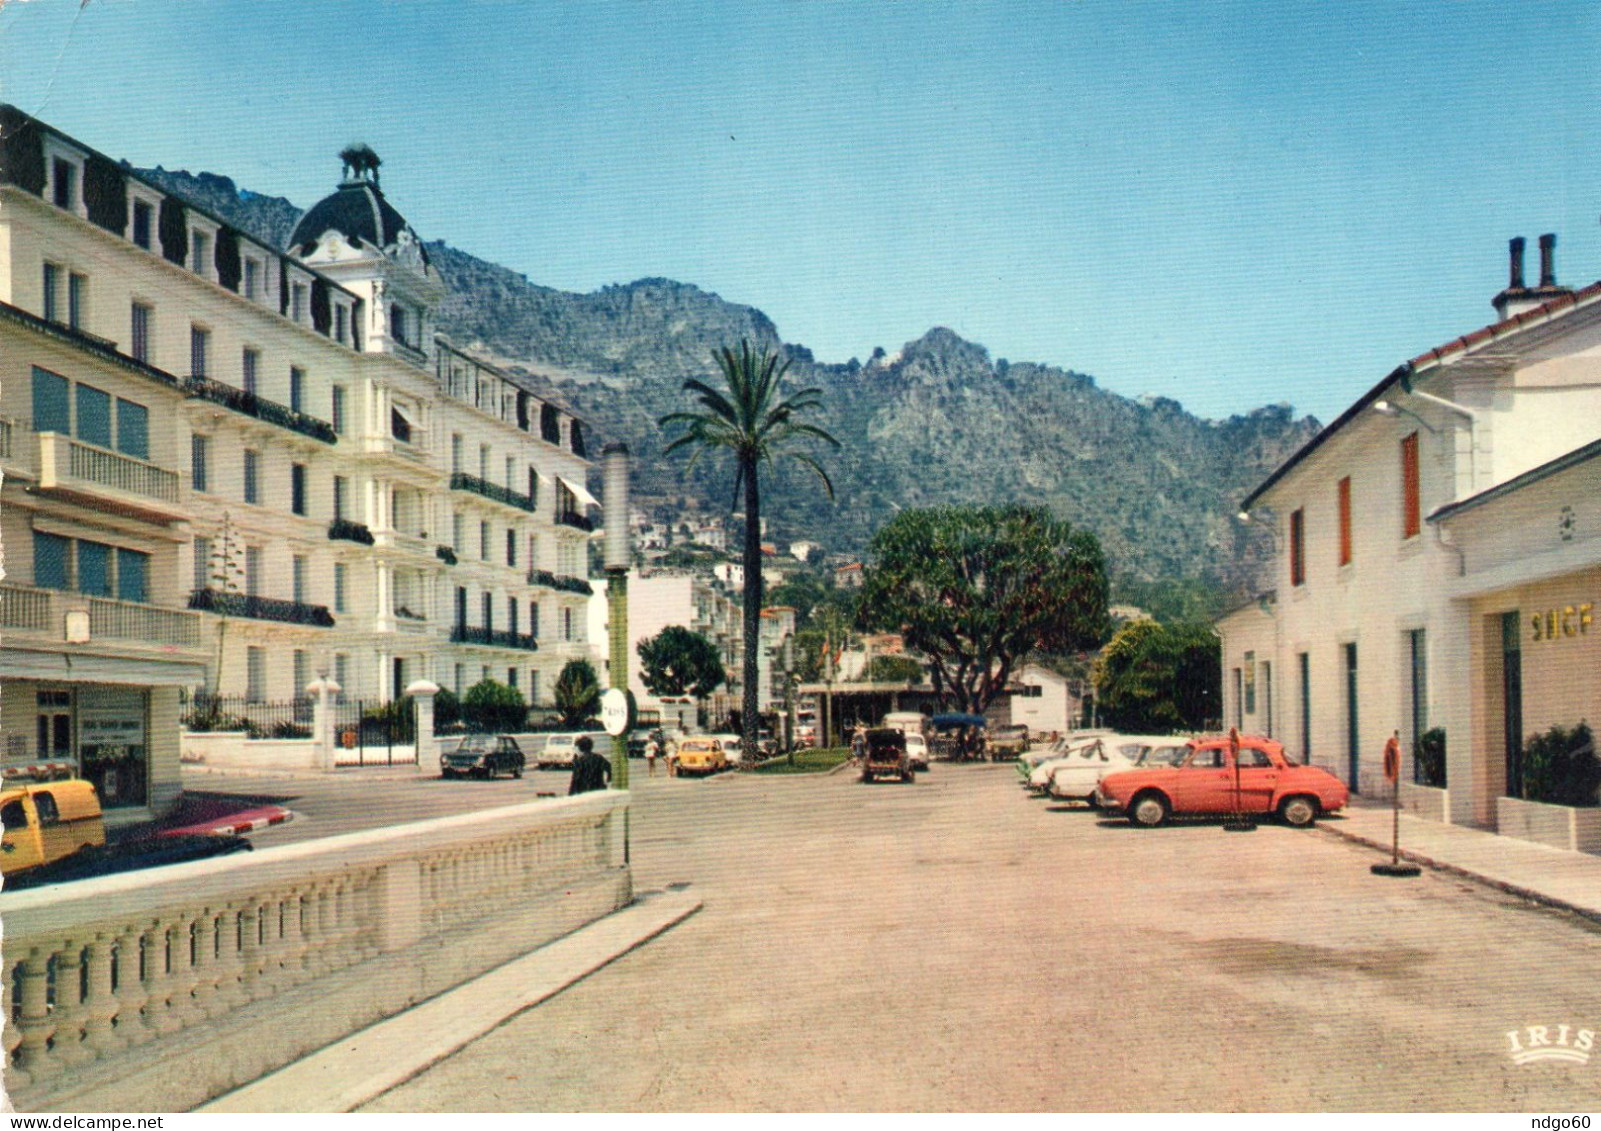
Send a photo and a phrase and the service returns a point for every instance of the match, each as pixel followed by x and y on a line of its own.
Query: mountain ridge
pixel 938 421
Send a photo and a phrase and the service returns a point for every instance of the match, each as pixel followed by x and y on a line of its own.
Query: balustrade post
pixel 231 988
pixel 100 1035
pixel 131 995
pixel 183 1009
pixel 251 959
pixel 36 1023
pixel 71 1011
pixel 205 971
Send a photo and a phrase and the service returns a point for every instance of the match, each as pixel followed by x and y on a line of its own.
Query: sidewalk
pixel 1570 881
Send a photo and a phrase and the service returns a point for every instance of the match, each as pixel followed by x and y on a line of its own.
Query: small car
pixel 884 753
pixel 482 756
pixel 1008 742
pixel 1075 778
pixel 917 751
pixel 48 821
pixel 1208 780
pixel 699 754
pixel 733 747
pixel 559 752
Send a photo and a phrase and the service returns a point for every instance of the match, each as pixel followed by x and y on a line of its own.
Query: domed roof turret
pixel 356 210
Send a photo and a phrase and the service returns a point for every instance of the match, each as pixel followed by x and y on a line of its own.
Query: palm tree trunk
pixel 753 612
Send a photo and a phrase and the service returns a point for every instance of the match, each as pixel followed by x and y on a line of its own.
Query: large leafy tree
pixel 1160 677
pixel 492 706
pixel 750 419
pixel 678 662
pixel 577 692
pixel 978 589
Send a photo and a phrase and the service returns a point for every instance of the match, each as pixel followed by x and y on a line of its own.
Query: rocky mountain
pixel 937 422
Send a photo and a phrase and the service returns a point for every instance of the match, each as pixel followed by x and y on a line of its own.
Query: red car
pixel 1203 781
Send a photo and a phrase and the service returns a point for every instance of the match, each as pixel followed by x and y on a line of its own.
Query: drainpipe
pixel 1462 410
pixel 1443 537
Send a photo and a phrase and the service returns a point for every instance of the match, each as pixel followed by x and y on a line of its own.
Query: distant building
pixel 803 550
pixel 849 576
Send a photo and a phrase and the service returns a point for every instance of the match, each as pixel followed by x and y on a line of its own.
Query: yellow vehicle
pixel 702 754
pixel 47 821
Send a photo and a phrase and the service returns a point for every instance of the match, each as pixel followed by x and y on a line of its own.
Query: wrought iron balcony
pixel 559 581
pixel 343 530
pixel 445 554
pixel 575 520
pixel 493 637
pixel 461 481
pixel 249 404
pixel 260 608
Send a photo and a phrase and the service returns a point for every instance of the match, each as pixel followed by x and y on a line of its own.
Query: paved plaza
pixel 958 945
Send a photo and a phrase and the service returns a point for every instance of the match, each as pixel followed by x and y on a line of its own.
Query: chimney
pixel 1518 296
pixel 1515 247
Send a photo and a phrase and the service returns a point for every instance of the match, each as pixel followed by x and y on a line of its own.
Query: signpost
pixel 1392 771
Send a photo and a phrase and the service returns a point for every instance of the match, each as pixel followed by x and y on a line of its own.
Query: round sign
pixel 614 711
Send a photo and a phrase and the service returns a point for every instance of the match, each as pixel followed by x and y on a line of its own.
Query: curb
pixel 366 1064
pixel 246 821
pixel 1460 872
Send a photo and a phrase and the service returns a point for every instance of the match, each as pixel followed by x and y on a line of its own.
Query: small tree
pixel 577 692
pixel 492 706
pixel 1560 767
pixel 678 662
pixel 1160 677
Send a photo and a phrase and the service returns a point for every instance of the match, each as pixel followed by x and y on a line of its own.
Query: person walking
pixel 652 749
pixel 590 770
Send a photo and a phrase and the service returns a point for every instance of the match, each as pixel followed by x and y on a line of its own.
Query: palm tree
pixel 750 420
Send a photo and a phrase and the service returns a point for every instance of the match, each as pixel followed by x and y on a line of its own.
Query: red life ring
pixel 1392 759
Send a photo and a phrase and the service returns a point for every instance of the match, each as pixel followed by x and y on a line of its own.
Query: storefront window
pixel 112 743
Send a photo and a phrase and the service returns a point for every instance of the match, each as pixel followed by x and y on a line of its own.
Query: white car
pixel 1035 768
pixel 917 751
pixel 733 747
pixel 561 750
pixel 1079 778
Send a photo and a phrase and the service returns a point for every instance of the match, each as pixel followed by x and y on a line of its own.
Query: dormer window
pixel 341 313
pixel 64 190
pixel 143 221
pixel 250 282
pixel 199 252
pixel 63 175
pixel 297 302
pixel 397 323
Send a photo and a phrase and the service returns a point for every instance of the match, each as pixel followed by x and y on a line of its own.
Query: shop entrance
pixel 54 730
pixel 1512 700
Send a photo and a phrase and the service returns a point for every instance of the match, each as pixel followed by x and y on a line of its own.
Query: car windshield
pixel 476 744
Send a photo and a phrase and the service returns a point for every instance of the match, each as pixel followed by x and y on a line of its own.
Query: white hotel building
pixel 1438 562
pixel 194 424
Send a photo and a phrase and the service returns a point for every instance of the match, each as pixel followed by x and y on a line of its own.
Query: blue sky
pixel 1228 204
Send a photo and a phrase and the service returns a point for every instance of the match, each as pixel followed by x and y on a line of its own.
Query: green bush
pixel 1429 758
pixel 447 708
pixel 494 707
pixel 1560 767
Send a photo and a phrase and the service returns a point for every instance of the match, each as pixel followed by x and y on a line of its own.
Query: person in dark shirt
pixel 590 770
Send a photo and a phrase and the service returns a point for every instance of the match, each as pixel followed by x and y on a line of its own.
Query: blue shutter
pixel 133 429
pixel 51 409
pixel 94 416
pixel 94 569
pixel 50 570
pixel 133 569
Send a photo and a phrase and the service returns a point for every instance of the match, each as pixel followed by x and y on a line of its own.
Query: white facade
pixel 194 424
pixel 1374 626
pixel 1040 700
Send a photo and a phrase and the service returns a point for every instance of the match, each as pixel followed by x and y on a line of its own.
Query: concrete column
pixel 324 740
pixel 422 693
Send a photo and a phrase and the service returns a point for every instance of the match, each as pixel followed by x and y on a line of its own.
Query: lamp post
pixel 617 559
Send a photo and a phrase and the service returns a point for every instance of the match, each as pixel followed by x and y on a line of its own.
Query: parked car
pixel 916 751
pixel 1078 779
pixel 482 756
pixel 1058 752
pixel 733 747
pixel 637 739
pixel 1008 742
pixel 562 749
pixel 884 754
pixel 1205 782
pixel 698 754
pixel 54 832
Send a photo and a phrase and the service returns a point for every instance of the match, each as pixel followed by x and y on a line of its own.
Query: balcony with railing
pixel 249 404
pixel 461 481
pixel 6 425
pixel 260 608
pixel 27 609
pixel 575 520
pixel 108 480
pixel 493 637
pixel 559 581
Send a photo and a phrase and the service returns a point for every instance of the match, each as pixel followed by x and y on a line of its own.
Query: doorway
pixel 1352 730
pixel 1512 701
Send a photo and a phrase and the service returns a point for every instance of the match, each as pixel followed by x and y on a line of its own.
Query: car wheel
pixel 517 772
pixel 1149 810
pixel 1298 812
pixel 447 773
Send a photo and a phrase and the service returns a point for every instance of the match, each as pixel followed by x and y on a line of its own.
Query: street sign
pixel 614 711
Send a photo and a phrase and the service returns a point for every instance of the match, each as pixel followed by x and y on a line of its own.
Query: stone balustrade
pixel 160 989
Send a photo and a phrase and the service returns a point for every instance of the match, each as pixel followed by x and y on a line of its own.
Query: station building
pixel 1437 562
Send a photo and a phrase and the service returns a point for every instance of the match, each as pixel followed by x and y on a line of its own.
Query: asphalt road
pixel 956 945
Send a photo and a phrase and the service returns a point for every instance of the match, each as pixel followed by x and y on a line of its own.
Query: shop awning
pixel 57 667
